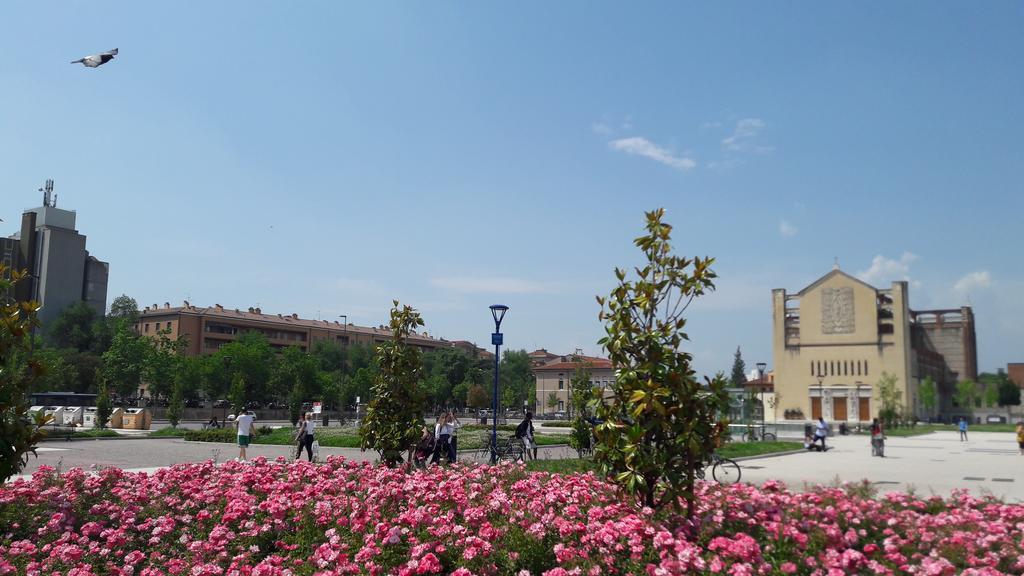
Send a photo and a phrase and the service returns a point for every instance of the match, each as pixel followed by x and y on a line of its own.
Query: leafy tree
pixel 552 401
pixel 103 407
pixel 660 425
pixel 176 406
pixel 460 394
pixel 965 394
pixel 739 370
pixel 189 377
pixel 516 377
pixel 581 390
pixel 929 395
pixel 991 395
pixel 1009 393
pixel 126 308
pixel 20 431
pixel 239 394
pixel 394 419
pixel 890 398
pixel 251 356
pixel 59 375
pixel 162 363
pixel 330 356
pixel 298 373
pixel 476 397
pixel 73 327
pixel 124 362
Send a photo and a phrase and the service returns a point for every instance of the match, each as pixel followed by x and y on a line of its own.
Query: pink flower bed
pixel 275 518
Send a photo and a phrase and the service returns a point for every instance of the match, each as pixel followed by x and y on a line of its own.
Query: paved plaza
pixel 934 463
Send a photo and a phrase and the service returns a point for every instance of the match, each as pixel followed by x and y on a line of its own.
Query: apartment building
pixel 554 379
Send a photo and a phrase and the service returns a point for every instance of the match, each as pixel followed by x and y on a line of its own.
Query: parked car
pixel 253 406
pixel 193 403
pixel 995 419
pixel 222 404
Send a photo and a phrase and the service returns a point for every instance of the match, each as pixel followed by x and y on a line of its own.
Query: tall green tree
pixel 20 431
pixel 176 406
pixel 239 394
pixel 929 395
pixel 298 374
pixel 394 419
pixel 1009 393
pixel 891 399
pixel 189 377
pixel 660 424
pixel 125 308
pixel 476 397
pixel 738 379
pixel 73 327
pixel 251 356
pixel 516 376
pixel 965 394
pixel 125 361
pixel 162 363
pixel 104 408
pixel 581 390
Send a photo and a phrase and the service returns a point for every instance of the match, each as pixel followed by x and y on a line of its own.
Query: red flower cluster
pixel 276 518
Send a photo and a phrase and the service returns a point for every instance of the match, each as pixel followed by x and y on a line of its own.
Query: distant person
pixel 821 432
pixel 309 428
pixel 453 440
pixel 877 439
pixel 243 423
pixel 524 432
pixel 213 423
pixel 443 435
pixel 424 449
pixel 1020 437
pixel 300 436
pixel 963 429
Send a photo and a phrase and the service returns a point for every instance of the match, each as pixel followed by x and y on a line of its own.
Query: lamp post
pixel 821 397
pixel 760 382
pixel 498 313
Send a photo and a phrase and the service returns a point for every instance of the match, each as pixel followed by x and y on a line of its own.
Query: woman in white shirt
pixel 307 440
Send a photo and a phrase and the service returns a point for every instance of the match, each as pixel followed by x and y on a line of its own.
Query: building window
pixel 157 326
pixel 561 405
pixel 168 325
pixel 865 367
pixel 146 329
pixel 561 384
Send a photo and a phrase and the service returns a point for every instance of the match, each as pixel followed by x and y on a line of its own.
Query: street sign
pixel 318 407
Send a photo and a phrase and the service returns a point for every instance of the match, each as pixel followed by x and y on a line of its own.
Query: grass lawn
pixel 168 432
pixel 929 428
pixel 741 449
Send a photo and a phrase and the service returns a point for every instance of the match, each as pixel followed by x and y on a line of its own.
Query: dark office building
pixel 61 270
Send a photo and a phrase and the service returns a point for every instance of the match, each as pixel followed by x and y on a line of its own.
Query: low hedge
pixel 558 424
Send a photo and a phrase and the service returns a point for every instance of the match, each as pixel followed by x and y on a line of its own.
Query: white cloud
pixel 491 285
pixel 644 147
pixel 743 136
pixel 601 128
pixel 884 270
pixel 787 230
pixel 973 281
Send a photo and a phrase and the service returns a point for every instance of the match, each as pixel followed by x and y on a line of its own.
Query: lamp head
pixel 760 367
pixel 498 312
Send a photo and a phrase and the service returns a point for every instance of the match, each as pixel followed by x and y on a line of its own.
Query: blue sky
pixel 324 158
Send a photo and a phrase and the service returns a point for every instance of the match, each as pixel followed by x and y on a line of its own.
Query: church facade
pixel 835 339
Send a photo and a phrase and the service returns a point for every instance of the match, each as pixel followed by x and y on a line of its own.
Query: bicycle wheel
pixel 726 471
pixel 750 436
pixel 769 437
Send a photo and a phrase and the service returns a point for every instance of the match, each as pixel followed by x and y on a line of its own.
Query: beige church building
pixel 834 339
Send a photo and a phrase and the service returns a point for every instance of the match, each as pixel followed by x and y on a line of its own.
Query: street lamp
pixel 821 397
pixel 498 313
pixel 760 372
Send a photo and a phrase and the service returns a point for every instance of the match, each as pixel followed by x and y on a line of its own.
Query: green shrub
pixel 211 435
pixel 558 424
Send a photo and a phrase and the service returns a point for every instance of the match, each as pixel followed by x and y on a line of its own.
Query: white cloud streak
pixel 973 281
pixel 787 230
pixel 743 136
pixel 491 285
pixel 643 147
pixel 884 270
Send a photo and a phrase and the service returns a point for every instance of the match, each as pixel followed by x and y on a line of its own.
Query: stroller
pixel 424 450
pixel 878 446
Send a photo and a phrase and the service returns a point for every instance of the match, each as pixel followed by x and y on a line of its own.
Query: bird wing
pixel 110 52
pixel 79 61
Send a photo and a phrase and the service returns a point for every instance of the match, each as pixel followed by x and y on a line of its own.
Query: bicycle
pixel 753 435
pixel 723 470
pixel 510 449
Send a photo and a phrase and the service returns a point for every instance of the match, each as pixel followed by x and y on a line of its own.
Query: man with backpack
pixel 524 433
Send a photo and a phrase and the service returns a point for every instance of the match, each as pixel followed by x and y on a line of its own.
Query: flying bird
pixel 97 59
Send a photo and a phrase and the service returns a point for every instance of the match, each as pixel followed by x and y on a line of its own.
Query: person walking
pixel 524 432
pixel 1020 437
pixel 309 427
pixel 300 436
pixel 443 435
pixel 243 425
pixel 453 440
pixel 877 439
pixel 963 429
pixel 821 432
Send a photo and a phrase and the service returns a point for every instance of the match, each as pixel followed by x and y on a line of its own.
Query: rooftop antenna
pixel 47 189
pixel 835 266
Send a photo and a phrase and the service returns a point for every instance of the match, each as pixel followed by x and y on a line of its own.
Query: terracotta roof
pixel 595 363
pixel 278 319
